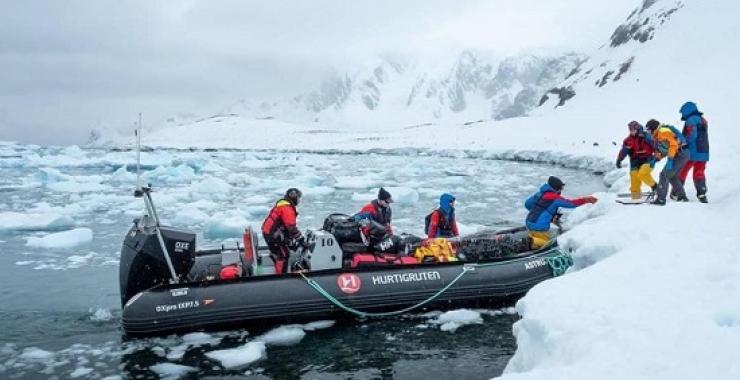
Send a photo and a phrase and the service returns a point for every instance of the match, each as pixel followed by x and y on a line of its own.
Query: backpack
pixel 679 136
pixel 428 221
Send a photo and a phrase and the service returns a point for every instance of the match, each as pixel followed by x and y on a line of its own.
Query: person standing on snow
pixel 696 134
pixel 375 217
pixel 638 146
pixel 543 208
pixel 281 231
pixel 669 142
pixel 441 222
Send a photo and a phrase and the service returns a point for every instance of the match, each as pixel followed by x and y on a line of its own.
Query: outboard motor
pixel 143 263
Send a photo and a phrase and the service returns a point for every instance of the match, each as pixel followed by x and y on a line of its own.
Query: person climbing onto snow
pixel 442 222
pixel 639 147
pixel 670 143
pixel 543 208
pixel 375 217
pixel 697 137
pixel 281 231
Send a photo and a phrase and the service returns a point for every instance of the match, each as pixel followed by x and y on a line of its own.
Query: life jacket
pixel 435 250
pixel 541 205
pixel 274 221
pixel 444 227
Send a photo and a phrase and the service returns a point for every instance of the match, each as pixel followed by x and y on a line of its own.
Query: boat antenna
pixel 138 154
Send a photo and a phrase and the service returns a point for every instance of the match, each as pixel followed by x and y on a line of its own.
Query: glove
pixel 619 164
pixel 669 164
pixel 590 199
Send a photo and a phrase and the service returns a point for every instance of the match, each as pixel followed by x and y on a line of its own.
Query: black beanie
pixel 383 194
pixel 652 125
pixel 555 183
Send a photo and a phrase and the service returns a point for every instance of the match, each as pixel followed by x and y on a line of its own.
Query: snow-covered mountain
pixel 398 92
pixel 614 60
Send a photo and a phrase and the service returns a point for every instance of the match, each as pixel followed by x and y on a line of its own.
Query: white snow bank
pixel 239 356
pixel 454 319
pixel 64 239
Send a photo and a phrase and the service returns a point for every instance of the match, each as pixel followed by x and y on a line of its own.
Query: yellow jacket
pixel 664 136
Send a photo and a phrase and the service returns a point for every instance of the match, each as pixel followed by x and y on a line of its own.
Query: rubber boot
pixel 658 202
pixel 701 191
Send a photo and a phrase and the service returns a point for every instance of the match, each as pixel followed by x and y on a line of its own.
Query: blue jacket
pixel 695 129
pixel 544 204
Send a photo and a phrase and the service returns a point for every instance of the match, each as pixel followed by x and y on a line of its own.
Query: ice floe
pixel 64 239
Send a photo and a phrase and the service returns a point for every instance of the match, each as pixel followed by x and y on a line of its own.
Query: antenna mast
pixel 138 154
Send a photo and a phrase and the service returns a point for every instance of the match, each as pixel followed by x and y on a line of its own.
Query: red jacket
pixel 434 225
pixel 638 148
pixel 281 218
pixel 381 215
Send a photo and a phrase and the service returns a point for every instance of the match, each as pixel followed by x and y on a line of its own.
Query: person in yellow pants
pixel 639 147
pixel 543 208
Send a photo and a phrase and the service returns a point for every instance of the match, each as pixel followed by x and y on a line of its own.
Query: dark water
pixel 59 311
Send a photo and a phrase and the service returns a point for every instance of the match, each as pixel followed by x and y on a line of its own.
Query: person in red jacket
pixel 638 146
pixel 375 217
pixel 280 230
pixel 442 222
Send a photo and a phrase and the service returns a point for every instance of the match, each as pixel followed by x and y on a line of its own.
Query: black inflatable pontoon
pixel 168 286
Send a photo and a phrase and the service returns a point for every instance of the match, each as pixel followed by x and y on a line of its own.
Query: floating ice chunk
pixel 34 221
pixel 190 216
pixel 255 211
pixel 80 371
pixel 225 226
pixel 65 239
pixel 287 335
pixel 310 180
pixel 401 195
pixel 239 356
pixel 100 315
pixel 34 354
pixel 122 176
pixel 318 325
pixel 171 371
pixel 49 175
pixel 213 187
pixel 362 182
pixel 171 174
pixel 454 319
pixel 318 190
pixel 75 186
pixel 364 197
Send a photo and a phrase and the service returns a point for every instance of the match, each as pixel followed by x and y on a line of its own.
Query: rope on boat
pixel 558 263
pixel 363 314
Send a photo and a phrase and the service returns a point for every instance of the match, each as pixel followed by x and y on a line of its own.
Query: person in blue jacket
pixel 543 208
pixel 442 222
pixel 695 130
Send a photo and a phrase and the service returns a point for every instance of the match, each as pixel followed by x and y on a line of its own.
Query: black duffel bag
pixel 344 228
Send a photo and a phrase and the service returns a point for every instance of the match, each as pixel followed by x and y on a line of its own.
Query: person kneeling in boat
pixel 639 147
pixel 543 208
pixel 375 220
pixel 441 222
pixel 280 230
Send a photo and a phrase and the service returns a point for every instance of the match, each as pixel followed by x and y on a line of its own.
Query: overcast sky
pixel 67 67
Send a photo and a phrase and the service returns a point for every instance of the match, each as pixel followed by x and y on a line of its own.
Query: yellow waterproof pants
pixel 638 177
pixel 539 238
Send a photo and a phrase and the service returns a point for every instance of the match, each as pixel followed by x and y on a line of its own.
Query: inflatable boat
pixel 167 285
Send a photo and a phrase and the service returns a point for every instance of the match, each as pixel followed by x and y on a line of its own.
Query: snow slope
pixel 656 292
